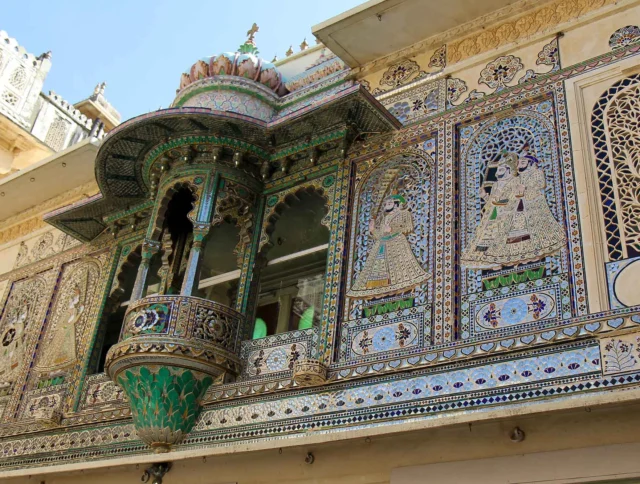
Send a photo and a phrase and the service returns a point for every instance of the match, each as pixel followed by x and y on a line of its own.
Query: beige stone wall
pixel 27 232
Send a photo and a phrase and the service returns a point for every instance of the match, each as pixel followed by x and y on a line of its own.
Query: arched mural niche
pixel 514 257
pixel 24 308
pixel 70 313
pixel 390 269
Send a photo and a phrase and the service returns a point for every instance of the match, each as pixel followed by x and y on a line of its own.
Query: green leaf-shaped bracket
pixel 165 402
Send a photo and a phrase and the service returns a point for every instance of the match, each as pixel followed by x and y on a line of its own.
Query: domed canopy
pixel 245 64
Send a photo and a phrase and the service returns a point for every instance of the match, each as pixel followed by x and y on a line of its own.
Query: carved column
pixel 192 274
pixel 149 249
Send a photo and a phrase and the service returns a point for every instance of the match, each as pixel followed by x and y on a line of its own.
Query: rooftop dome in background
pixel 245 64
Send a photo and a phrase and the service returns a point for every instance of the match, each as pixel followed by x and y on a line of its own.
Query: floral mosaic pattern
pixel 624 36
pixel 496 375
pixel 416 104
pixel 455 89
pixel 275 360
pixel 439 58
pixel 523 304
pixel 620 354
pixel 500 72
pixel 401 73
pixel 276 354
pixel 387 334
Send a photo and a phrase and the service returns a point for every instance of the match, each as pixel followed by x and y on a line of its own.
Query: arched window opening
pixel 219 273
pixel 115 309
pixel 167 268
pixel 292 283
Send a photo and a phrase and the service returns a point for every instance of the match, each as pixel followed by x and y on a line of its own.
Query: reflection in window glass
pixel 219 274
pixel 292 283
pixel 291 292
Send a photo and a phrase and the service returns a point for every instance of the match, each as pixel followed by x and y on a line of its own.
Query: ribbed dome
pixel 245 63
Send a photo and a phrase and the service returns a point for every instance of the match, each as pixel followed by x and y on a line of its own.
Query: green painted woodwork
pixel 165 402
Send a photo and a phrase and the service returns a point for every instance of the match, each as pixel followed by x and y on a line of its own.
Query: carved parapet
pixel 171 350
pixel 309 372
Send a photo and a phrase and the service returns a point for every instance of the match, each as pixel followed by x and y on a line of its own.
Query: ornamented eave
pixel 123 162
pixel 470 40
pixel 414 131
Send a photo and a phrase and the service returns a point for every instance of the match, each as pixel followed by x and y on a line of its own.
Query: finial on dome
pixel 249 47
pixel 99 89
pixel 252 32
pixel 275 58
pixel 290 51
pixel 304 45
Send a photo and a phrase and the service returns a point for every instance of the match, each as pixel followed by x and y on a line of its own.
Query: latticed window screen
pixel 57 134
pixel 18 79
pixel 615 125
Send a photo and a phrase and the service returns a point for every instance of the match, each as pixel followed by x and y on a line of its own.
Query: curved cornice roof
pixel 122 167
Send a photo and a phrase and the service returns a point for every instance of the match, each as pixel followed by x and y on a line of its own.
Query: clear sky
pixel 140 47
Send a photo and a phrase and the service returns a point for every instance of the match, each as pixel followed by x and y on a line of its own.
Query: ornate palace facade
pixel 406 254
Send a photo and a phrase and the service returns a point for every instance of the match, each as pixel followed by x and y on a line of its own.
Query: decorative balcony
pixel 172 348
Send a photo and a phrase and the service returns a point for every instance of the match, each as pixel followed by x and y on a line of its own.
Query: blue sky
pixel 140 47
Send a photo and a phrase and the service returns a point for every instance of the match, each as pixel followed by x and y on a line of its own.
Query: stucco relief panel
pixel 20 325
pixel 70 314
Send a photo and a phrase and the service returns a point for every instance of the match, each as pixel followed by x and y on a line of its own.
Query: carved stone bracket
pixel 309 372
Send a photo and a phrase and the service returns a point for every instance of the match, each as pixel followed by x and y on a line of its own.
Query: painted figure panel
pixel 389 268
pixel 70 312
pixel 512 217
pixel 20 318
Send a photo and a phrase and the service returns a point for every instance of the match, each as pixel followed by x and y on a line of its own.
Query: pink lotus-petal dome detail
pixel 246 65
pixel 199 70
pixel 223 64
